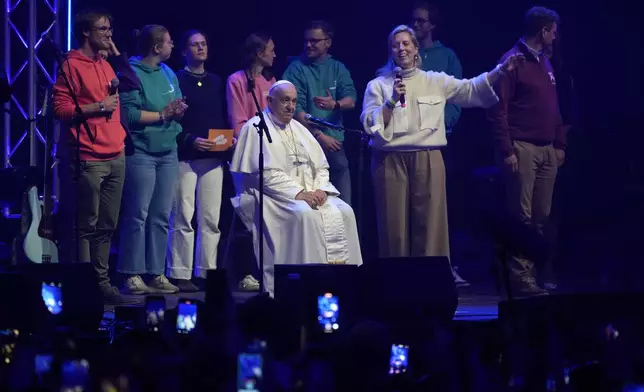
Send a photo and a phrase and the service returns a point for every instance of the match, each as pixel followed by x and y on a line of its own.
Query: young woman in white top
pixel 407 134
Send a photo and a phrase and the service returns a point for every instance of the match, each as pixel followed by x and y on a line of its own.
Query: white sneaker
pixel 460 282
pixel 135 285
pixel 249 283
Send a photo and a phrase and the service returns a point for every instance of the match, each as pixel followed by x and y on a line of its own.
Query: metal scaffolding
pixel 21 113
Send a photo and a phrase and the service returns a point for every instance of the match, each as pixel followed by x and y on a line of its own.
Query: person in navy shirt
pixel 201 171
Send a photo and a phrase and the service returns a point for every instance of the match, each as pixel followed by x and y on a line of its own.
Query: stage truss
pixel 31 75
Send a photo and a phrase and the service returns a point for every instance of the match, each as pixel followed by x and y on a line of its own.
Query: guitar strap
pixel 25 214
pixel 18 253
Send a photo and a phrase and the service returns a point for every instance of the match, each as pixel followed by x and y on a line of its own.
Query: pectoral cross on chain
pixel 297 163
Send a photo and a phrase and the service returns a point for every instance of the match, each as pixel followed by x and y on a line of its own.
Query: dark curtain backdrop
pixel 600 189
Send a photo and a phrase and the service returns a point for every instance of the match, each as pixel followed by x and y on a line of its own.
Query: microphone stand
pixel 364 139
pixel 262 129
pixel 80 120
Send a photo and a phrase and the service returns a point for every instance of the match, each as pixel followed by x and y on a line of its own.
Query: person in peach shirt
pixel 258 54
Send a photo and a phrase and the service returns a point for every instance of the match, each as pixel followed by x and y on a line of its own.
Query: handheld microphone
pixel 398 72
pixel 321 122
pixel 114 84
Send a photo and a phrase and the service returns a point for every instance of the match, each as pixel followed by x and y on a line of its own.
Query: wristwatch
pixel 101 105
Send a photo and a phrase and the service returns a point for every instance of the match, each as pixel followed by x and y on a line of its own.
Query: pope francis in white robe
pixel 304 220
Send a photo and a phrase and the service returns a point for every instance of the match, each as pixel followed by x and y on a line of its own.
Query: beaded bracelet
pixel 390 103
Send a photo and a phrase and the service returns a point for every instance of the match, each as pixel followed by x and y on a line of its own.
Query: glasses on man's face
pixel 314 41
pixel 419 21
pixel 103 29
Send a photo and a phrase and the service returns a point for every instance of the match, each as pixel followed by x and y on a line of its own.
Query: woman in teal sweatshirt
pixel 152 113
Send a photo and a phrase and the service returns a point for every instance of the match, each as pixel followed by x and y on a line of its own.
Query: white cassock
pixel 294 232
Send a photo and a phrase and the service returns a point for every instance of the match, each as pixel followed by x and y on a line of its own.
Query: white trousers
pixel 200 186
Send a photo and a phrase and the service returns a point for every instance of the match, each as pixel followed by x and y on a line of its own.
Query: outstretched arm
pixel 478 92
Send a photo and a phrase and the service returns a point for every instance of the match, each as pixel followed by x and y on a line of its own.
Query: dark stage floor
pixel 473 305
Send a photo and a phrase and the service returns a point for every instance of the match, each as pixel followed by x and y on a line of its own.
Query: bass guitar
pixel 38 244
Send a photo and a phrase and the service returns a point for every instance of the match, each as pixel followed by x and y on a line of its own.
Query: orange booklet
pixel 223 139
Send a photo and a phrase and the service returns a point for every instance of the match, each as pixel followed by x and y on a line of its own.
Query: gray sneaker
pixel 135 285
pixel 249 283
pixel 160 284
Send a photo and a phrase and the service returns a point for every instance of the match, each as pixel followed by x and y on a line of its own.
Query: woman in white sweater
pixel 407 134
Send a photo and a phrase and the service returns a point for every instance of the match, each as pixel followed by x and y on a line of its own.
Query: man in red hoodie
pixel 92 160
pixel 529 135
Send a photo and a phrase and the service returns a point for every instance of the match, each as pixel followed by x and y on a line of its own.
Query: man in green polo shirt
pixel 324 90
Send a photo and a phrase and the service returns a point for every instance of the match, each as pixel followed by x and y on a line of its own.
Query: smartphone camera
pixel 75 374
pixel 52 296
pixel 399 359
pixel 328 308
pixel 154 313
pixel 186 316
pixel 249 372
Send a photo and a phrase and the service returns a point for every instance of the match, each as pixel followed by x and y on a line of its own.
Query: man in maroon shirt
pixel 529 135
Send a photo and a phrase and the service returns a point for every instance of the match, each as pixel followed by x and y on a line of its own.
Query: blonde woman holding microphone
pixel 404 112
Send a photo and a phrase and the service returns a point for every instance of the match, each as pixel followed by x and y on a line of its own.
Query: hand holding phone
pixel 186 316
pixel 154 312
pixel 249 372
pixel 52 296
pixel 328 312
pixel 399 359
